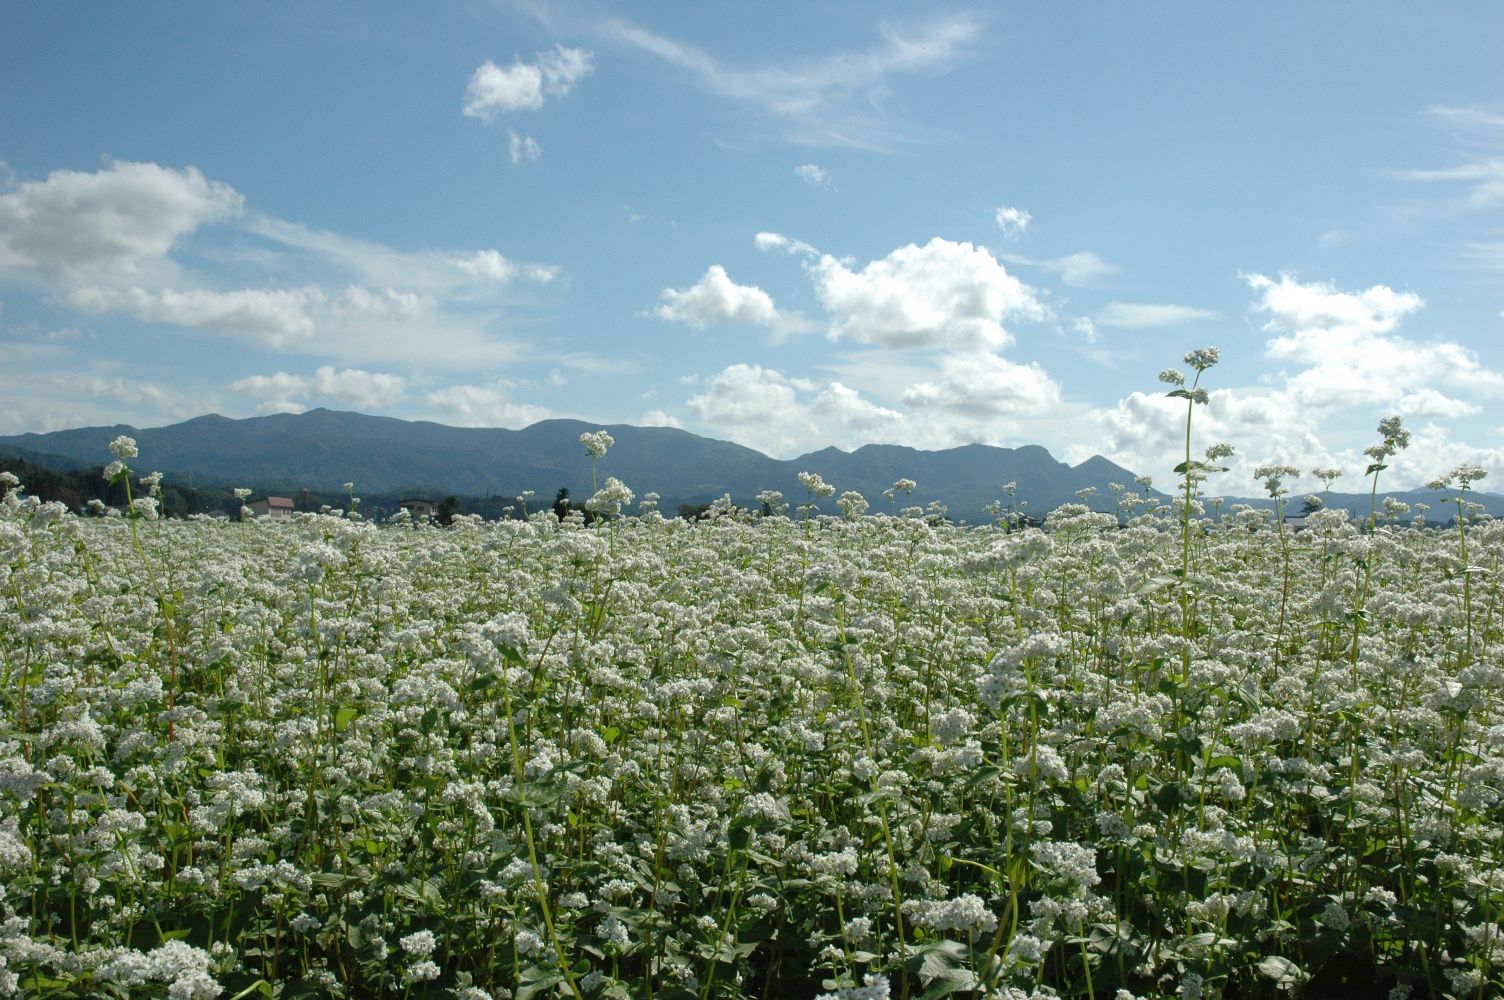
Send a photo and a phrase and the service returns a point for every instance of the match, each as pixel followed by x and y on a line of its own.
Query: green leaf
pixel 343 717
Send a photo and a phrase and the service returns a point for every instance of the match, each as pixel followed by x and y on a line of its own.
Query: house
pixel 276 508
pixel 418 507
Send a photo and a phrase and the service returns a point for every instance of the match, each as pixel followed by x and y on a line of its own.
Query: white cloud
pixel 837 100
pixel 284 391
pixel 985 385
pixel 453 274
pixel 488 265
pixel 276 392
pixel 522 148
pixel 358 303
pixel 1080 268
pixel 1347 365
pixel 1431 403
pixel 1297 309
pixel 716 299
pixel 274 317
pixel 1012 221
pixel 813 174
pixel 1481 174
pixel 489 405
pixel 658 418
pixel 782 416
pixel 968 398
pixel 1086 328
pixel 1347 346
pixel 173 250
pixel 1142 315
pixel 96 394
pixel 524 86
pixel 769 242
pixel 946 295
pixel 113 225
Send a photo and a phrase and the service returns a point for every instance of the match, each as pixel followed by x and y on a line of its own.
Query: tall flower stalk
pixel 1394 440
pixel 1192 472
pixel 1274 477
pixel 1464 476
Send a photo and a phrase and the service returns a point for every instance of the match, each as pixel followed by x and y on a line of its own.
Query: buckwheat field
pixel 815 749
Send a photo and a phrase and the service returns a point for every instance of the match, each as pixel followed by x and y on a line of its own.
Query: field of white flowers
pixel 778 756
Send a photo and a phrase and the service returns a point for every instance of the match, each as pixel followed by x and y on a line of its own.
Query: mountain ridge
pixel 321 449
pixel 324 448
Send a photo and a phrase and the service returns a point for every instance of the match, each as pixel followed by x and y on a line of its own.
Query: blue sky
pixel 785 224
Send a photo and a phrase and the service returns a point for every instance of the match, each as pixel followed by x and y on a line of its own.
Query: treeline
pixel 75 488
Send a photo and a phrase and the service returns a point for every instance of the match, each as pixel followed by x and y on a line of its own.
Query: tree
pixel 561 503
pixel 448 507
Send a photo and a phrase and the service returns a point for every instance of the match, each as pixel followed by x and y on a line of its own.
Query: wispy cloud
pixel 1077 269
pixel 1479 135
pixel 1142 315
pixel 841 99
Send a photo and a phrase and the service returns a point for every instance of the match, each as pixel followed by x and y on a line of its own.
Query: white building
pixel 419 508
pixel 276 508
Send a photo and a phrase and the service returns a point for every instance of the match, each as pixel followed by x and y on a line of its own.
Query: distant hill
pixel 321 449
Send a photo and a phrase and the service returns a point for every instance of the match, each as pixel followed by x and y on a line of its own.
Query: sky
pixel 788 225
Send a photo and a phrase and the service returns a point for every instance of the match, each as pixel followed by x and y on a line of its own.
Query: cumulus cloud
pixel 1012 221
pixel 115 241
pixel 524 86
pixel 965 398
pixel 985 385
pixel 782 416
pixel 486 405
pixel 285 391
pixel 1143 315
pixel 1346 365
pixel 813 174
pixel 716 299
pixel 1349 350
pixel 1297 309
pixel 113 225
pixel 658 418
pixel 946 295
pixel 488 265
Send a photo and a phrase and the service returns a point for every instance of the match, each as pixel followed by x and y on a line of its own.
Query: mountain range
pixel 321 449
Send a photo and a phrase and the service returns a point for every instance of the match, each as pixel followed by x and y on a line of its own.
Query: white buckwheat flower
pixel 596 443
